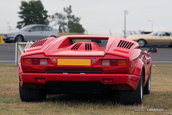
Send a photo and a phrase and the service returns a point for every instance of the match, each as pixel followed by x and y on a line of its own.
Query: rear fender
pixel 139 68
pixel 20 71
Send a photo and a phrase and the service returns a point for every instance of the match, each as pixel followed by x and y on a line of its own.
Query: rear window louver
pixel 88 47
pixel 125 44
pixel 76 46
pixel 38 43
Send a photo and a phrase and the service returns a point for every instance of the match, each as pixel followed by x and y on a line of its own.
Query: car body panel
pixel 130 80
pixel 126 61
pixel 32 36
pixel 155 38
pixel 32 33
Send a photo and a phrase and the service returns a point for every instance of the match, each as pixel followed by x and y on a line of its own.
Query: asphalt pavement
pixel 7 53
pixel 164 55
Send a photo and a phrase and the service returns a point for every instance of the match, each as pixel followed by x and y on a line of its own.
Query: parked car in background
pixel 31 33
pixel 85 64
pixel 154 38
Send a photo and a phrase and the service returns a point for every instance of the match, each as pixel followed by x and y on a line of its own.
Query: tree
pixel 67 22
pixel 59 19
pixel 32 12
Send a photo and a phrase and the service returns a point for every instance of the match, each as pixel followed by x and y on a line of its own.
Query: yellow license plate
pixel 74 62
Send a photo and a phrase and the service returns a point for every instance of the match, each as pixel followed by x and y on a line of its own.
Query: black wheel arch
pixel 19 35
pixel 170 45
pixel 53 36
pixel 141 66
pixel 143 40
pixel 143 70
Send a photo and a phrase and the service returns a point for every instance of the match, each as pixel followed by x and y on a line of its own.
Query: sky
pixel 102 17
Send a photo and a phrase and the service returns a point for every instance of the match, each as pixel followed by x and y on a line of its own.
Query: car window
pixel 155 33
pixel 26 28
pixel 47 28
pixel 36 28
pixel 161 34
pixel 164 34
pixel 101 42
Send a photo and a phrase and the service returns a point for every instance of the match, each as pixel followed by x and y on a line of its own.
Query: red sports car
pixel 85 64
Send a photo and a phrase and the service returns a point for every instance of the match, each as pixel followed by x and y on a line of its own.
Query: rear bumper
pixel 105 79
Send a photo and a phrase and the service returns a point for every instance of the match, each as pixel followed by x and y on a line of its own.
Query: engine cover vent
pixel 76 46
pixel 125 44
pixel 38 43
pixel 88 46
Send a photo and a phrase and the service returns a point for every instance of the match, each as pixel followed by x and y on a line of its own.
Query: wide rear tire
pixel 133 97
pixel 147 88
pixel 170 45
pixel 31 95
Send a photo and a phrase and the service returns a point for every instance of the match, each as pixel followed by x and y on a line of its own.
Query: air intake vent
pixel 125 44
pixel 88 47
pixel 38 43
pixel 76 46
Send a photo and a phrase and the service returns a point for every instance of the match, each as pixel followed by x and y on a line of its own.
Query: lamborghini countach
pixel 85 64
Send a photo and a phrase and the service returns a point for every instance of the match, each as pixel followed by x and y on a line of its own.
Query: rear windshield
pixel 101 42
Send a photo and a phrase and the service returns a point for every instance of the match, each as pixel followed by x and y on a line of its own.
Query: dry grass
pixel 159 100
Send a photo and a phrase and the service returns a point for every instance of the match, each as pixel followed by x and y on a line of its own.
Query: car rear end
pixel 78 64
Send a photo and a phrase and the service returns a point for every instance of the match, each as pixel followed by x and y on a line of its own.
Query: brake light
pixel 35 61
pixel 113 62
pixel 122 62
pixel 27 61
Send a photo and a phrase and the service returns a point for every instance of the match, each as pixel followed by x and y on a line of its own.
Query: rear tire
pixel 147 88
pixel 141 42
pixel 170 45
pixel 19 38
pixel 133 97
pixel 31 95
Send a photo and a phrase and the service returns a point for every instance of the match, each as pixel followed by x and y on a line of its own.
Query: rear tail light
pixel 122 62
pixel 105 62
pixel 35 61
pixel 113 62
pixel 27 61
pixel 43 62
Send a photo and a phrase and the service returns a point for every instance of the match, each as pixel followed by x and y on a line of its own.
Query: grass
pixel 159 102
